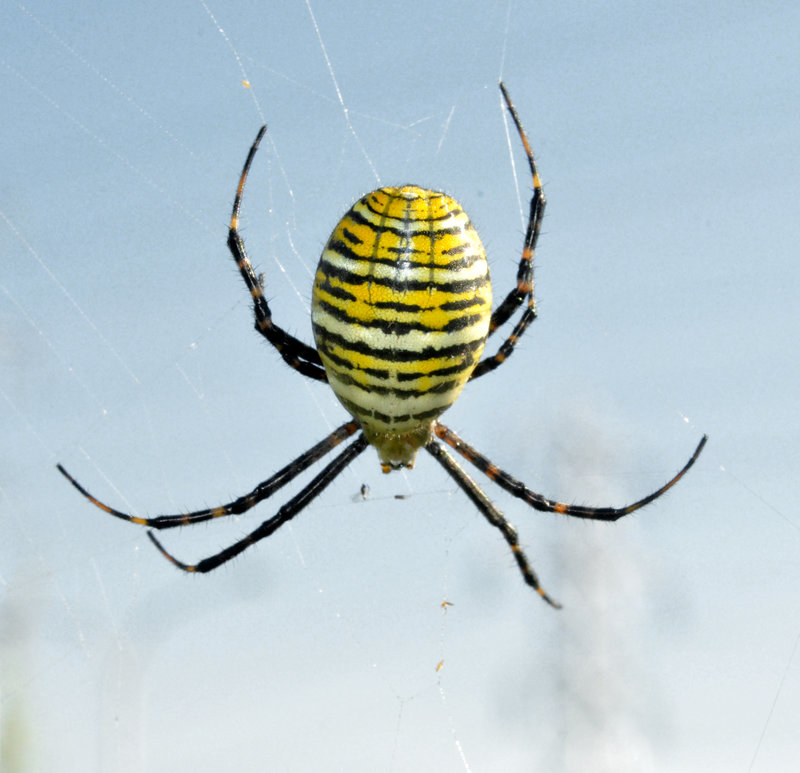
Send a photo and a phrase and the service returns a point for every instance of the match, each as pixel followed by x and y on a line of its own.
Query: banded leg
pixel 521 491
pixel 524 286
pixel 242 504
pixel 284 514
pixel 300 356
pixel 491 513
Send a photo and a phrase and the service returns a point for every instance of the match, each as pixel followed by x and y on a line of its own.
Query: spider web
pixel 386 628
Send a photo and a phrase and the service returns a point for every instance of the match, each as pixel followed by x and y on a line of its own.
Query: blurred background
pixel 666 280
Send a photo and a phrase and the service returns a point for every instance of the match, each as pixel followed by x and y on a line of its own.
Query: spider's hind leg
pixel 300 356
pixel 524 286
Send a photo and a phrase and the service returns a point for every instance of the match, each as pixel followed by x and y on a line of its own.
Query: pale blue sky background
pixel 667 276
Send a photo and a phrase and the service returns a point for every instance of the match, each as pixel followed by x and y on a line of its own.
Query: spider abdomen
pixel 401 308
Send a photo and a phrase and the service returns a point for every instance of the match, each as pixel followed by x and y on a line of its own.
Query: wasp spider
pixel 401 311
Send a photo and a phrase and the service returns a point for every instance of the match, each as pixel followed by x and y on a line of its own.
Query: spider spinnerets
pixel 401 312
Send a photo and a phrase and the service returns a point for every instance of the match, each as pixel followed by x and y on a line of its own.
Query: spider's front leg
pixel 489 511
pixel 298 355
pixel 287 511
pixel 518 489
pixel 521 491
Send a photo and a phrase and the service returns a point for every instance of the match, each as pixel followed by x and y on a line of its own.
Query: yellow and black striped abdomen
pixel 401 308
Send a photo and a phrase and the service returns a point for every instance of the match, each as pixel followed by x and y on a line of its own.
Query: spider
pixel 401 311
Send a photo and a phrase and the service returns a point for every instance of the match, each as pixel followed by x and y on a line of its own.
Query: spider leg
pixel 524 286
pixel 491 513
pixel 242 504
pixel 284 514
pixel 537 501
pixel 300 356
